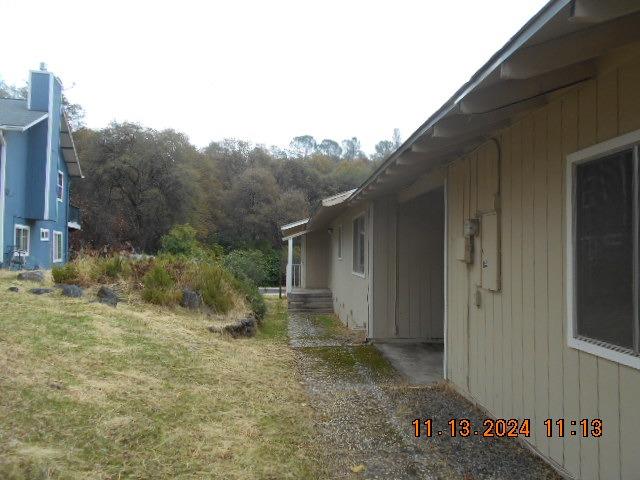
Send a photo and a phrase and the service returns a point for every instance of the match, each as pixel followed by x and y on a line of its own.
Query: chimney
pixel 40 89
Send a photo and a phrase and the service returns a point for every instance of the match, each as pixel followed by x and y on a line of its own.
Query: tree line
pixel 140 182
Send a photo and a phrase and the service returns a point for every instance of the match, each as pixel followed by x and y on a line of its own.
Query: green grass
pixel 88 391
pixel 353 361
pixel 275 326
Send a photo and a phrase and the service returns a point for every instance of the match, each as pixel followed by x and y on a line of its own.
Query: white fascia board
pixel 289 226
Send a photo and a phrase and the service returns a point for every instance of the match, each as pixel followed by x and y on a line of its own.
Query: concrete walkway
pixel 420 363
pixel 365 408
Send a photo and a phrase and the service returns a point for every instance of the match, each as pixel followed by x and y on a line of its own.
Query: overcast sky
pixel 259 70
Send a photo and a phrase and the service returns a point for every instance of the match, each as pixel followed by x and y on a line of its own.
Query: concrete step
pixel 297 296
pixel 325 303
pixel 326 311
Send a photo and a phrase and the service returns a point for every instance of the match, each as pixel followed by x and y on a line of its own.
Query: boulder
pixel 191 299
pixel 13 289
pixel 40 291
pixel 242 328
pixel 71 291
pixel 108 296
pixel 32 276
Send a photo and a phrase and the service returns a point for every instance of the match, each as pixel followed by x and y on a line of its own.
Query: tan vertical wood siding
pixel 511 353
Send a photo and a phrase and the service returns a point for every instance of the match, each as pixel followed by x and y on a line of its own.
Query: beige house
pixel 507 228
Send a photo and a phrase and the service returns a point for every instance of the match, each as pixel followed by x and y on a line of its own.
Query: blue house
pixel 38 159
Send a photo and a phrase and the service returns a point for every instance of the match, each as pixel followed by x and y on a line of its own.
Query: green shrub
pixel 181 240
pixel 250 291
pixel 114 267
pixel 159 287
pixel 66 274
pixel 252 265
pixel 213 283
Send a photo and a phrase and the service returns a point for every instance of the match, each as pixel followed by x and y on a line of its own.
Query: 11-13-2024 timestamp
pixel 509 428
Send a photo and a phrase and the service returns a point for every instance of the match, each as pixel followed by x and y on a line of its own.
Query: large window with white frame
pixel 60 186
pixel 358 245
pixel 58 243
pixel 22 240
pixel 603 271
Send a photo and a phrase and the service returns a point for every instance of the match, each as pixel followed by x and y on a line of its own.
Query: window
pixel 44 234
pixel 57 246
pixel 340 242
pixel 603 270
pixel 60 187
pixel 22 240
pixel 358 245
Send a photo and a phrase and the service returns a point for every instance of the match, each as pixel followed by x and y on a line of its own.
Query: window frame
pixel 47 237
pixel 16 227
pixel 59 259
pixel 615 353
pixel 364 245
pixel 340 255
pixel 60 186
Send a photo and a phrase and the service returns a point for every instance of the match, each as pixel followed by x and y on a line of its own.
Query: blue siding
pixel 39 85
pixel 36 166
pixel 25 183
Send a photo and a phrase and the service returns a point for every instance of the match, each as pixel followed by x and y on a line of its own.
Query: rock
pixel 242 328
pixel 13 289
pixel 32 276
pixel 71 291
pixel 40 291
pixel 108 296
pixel 191 299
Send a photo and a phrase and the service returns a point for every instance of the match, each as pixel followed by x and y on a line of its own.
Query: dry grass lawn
pixel 88 391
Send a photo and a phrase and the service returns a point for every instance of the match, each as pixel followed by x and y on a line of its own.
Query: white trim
pixel 353 237
pixel 47 180
pixel 294 224
pixel 295 235
pixel 611 146
pixel 594 347
pixel 60 173
pixel 20 226
pixel 53 243
pixel 36 121
pixel 47 237
pixel 23 128
pixel 3 169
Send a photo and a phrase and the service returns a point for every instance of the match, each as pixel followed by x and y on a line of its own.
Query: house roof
pixel 14 114
pixel 68 148
pixel 557 49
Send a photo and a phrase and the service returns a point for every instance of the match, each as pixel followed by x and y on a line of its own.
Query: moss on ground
pixel 353 361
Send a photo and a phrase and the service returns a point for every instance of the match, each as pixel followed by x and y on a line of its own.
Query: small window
pixel 60 187
pixel 340 242
pixel 57 246
pixel 358 245
pixel 22 240
pixel 44 234
pixel 604 268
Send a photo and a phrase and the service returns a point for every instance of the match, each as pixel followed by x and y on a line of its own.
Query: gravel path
pixel 365 410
